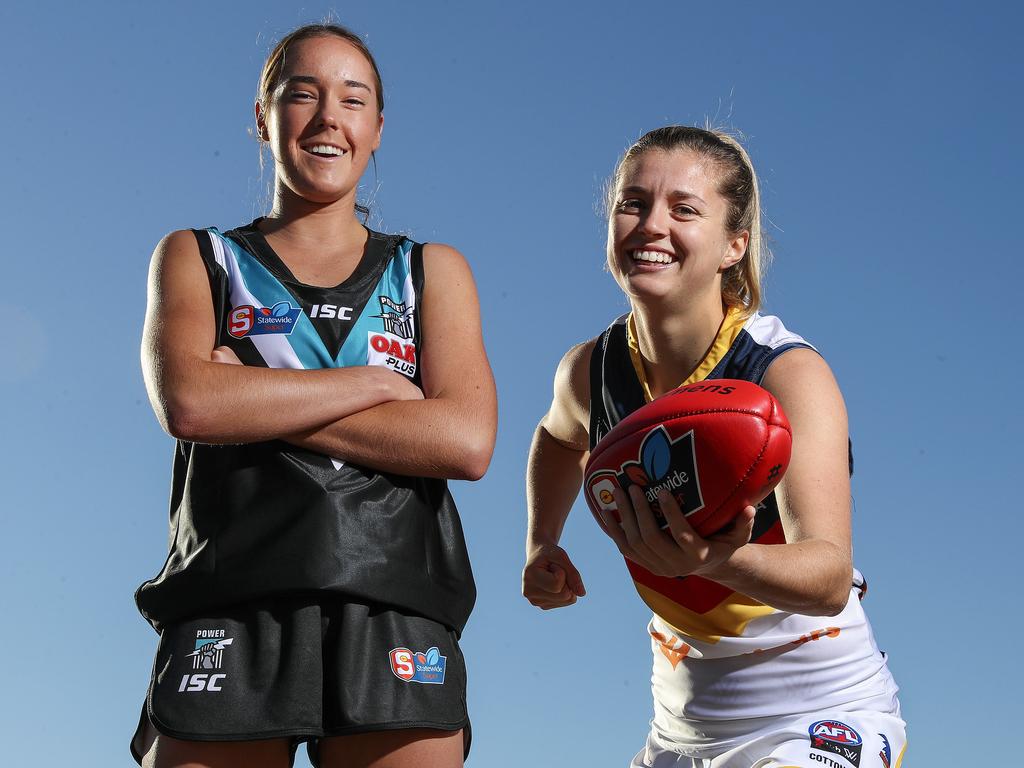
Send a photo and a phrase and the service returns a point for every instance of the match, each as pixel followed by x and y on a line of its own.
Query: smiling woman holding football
pixel 762 653
pixel 323 381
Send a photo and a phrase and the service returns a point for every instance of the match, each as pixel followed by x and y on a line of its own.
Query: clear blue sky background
pixel 887 139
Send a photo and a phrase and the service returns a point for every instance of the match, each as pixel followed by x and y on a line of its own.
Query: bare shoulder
pixel 181 241
pixel 801 375
pixel 568 420
pixel 573 374
pixel 441 259
pixel 177 254
pixel 803 383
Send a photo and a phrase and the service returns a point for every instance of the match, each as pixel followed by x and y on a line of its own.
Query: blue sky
pixel 886 136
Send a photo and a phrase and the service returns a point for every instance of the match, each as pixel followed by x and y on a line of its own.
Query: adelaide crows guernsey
pixel 267 518
pixel 719 654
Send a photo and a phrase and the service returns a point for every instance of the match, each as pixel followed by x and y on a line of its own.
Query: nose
pixel 327 114
pixel 654 221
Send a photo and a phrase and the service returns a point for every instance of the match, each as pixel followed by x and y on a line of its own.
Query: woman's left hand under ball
pixel 677 550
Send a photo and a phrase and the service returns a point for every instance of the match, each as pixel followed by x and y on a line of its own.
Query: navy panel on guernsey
pixel 264 519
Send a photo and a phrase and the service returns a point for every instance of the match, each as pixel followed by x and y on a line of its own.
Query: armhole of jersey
pixel 416 272
pixel 770 356
pixel 597 410
pixel 217 275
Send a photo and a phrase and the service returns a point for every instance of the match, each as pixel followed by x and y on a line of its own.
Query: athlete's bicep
pixel 568 419
pixel 814 495
pixel 453 357
pixel 180 326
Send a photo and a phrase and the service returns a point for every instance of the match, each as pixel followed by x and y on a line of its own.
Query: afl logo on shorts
pixel 420 666
pixel 248 320
pixel 838 738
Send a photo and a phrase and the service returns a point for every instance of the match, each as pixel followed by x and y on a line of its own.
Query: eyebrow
pixel 314 81
pixel 676 193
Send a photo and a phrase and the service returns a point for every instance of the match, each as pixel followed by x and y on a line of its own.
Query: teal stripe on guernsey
pixel 267 289
pixel 391 284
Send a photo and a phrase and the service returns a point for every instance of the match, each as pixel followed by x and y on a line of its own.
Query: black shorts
pixel 304 668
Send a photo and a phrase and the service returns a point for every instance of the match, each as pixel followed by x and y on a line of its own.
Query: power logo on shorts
pixel 838 738
pixel 209 654
pixel 418 667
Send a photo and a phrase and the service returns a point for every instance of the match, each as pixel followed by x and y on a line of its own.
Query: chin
pixel 318 193
pixel 650 283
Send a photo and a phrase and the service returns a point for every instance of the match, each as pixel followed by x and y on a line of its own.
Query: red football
pixel 717 446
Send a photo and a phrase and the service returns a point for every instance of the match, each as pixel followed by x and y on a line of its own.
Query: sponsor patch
pixel 397 318
pixel 418 666
pixel 391 352
pixel 838 738
pixel 331 311
pixel 663 463
pixel 248 320
pixel 825 760
pixel 208 655
pixel 885 755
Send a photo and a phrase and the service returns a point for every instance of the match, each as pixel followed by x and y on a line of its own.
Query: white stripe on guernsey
pixel 218 250
pixel 408 291
pixel 769 331
pixel 274 349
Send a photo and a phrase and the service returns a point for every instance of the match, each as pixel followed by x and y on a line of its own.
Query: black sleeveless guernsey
pixel 262 519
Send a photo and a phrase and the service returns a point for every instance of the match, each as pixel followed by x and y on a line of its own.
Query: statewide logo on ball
pixel 662 463
pixel 418 666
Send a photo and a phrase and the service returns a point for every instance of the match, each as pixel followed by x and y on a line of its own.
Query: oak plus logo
pixel 393 347
pixel 208 655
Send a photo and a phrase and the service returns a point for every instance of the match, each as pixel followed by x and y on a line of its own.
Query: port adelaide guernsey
pixel 268 518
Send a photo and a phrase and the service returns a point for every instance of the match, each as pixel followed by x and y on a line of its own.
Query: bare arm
pixel 451 432
pixel 812 572
pixel 199 400
pixel 553 478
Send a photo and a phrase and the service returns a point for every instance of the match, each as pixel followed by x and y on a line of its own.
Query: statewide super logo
pixel 419 666
pixel 838 738
pixel 663 463
pixel 209 654
pixel 248 320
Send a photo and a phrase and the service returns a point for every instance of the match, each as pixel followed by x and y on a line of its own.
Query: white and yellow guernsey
pixel 721 655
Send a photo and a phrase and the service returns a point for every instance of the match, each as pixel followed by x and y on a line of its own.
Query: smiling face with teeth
pixel 322 122
pixel 667 236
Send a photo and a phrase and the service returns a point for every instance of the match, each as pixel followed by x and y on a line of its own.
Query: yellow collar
pixel 731 326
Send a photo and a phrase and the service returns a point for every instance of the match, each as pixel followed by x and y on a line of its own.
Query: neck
pixel 673 341
pixel 293 218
